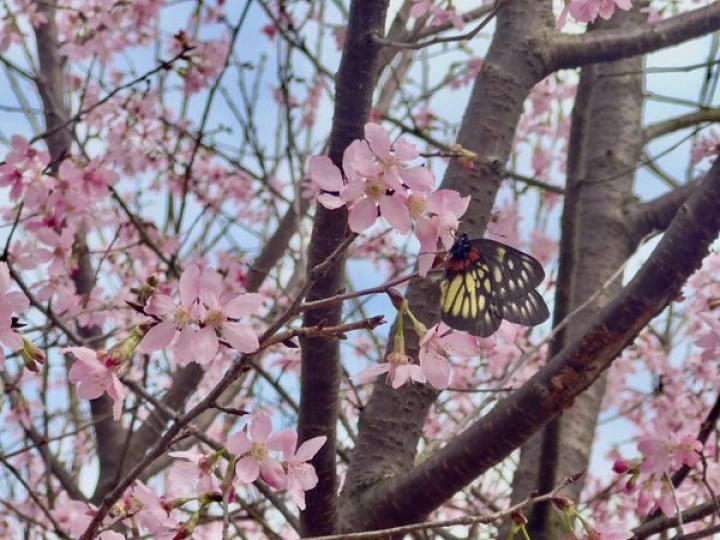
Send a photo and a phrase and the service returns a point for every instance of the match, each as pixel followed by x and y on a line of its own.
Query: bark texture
pixel 391 423
pixel 51 85
pixel 606 145
pixel 321 370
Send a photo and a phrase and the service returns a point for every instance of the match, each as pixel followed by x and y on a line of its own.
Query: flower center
pixel 375 189
pixel 215 318
pixel 416 206
pixel 182 317
pixel 259 452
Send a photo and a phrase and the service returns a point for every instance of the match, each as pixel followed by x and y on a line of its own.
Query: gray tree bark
pixel 606 144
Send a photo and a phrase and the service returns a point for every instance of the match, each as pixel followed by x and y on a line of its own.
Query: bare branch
pixel 653 131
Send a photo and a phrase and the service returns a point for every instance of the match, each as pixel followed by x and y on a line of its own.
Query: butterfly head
pixel 461 247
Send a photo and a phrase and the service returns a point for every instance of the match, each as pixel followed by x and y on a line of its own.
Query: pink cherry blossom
pixel 176 320
pixel 95 376
pixel 709 341
pixel 154 516
pixel 436 346
pixel 254 452
pixel 196 470
pixel 399 367
pixel 301 475
pixel 588 10
pixel 436 219
pixel 326 177
pixel 220 317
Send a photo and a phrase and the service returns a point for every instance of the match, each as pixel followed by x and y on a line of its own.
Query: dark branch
pixel 513 420
pixel 656 215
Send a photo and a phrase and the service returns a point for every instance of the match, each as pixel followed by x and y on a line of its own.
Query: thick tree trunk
pixel 391 423
pixel 606 143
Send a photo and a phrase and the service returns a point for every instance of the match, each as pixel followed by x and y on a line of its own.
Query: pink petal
pixel 261 427
pixel 359 160
pixel 86 356
pixel 183 347
pixel 419 179
pixel 308 478
pixel 5 280
pixel 158 337
pixel 405 151
pixel 242 338
pixel 205 345
pixel 238 444
pixel 371 373
pixel 331 202
pixel 378 138
pixel 290 443
pixel 272 473
pixel 244 304
pixel 309 448
pixel 325 174
pixel 362 215
pixel 436 368
pixel 281 440
pixel 211 287
pixel 190 284
pixel 395 211
pixel 11 339
pixel 160 305
pixel 247 470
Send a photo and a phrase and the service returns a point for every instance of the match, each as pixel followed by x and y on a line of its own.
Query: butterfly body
pixel 486 281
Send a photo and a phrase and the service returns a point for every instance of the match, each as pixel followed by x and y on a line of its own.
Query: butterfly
pixel 486 281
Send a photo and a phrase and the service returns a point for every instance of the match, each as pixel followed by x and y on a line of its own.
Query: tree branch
pixel 321 371
pixel 513 420
pixel 657 214
pixel 653 131
pixel 579 50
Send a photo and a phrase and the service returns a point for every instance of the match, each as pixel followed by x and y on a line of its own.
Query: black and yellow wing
pixel 486 281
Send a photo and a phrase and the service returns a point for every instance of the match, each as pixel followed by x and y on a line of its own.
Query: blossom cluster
pixel 376 180
pixel 257 454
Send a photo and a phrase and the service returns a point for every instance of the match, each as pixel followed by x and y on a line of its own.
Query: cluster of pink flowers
pixel 204 316
pixel 206 60
pixel 440 15
pixel 102 28
pixel 664 451
pixel 274 458
pixel 586 11
pixel 377 181
pixel 437 345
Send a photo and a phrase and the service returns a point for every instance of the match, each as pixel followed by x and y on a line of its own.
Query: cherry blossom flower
pixel 301 475
pixel 154 516
pixel 254 452
pixel 586 11
pixel 11 302
pixel 436 346
pixel 326 176
pixel 176 320
pixel 709 341
pixel 95 375
pixel 73 516
pixel 436 219
pixel 195 469
pixel 399 367
pixel 221 315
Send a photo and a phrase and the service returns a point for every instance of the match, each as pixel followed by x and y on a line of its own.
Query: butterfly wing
pixel 528 310
pixel 514 274
pixel 466 301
